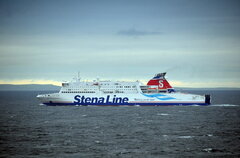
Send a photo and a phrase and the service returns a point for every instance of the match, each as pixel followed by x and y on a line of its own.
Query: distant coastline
pixel 50 87
pixel 29 87
pixel 217 88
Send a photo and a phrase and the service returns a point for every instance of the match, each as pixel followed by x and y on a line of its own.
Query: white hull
pixel 121 99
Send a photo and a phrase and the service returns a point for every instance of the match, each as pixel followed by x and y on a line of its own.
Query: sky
pixel 46 42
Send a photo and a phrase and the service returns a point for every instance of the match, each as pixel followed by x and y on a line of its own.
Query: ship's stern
pixel 207 99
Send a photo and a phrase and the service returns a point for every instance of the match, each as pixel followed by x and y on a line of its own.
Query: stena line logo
pixel 101 100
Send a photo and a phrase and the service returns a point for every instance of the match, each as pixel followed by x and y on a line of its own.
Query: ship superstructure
pixel 113 93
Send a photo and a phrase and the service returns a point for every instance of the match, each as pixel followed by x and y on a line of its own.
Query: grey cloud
pixel 134 32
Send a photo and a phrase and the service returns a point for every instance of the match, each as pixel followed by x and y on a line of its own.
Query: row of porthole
pixel 78 92
pixel 111 86
pixel 101 89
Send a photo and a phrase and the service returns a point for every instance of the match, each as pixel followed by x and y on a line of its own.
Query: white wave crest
pixel 163 114
pixel 224 105
pixel 186 137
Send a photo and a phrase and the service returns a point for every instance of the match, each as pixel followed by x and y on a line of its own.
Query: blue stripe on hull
pixel 128 104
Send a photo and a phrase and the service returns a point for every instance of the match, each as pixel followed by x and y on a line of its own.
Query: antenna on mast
pixel 78 76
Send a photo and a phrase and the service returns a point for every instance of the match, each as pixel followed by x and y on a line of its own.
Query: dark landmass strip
pixel 197 89
pixel 29 87
pixel 49 87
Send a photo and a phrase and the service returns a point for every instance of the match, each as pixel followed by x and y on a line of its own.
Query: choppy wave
pixel 29 130
pixel 209 150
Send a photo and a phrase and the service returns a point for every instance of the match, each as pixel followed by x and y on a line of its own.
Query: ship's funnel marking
pixel 160 81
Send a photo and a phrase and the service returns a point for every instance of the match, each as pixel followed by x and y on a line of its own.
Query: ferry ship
pixel 157 92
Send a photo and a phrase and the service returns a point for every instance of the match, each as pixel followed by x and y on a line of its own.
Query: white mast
pixel 78 78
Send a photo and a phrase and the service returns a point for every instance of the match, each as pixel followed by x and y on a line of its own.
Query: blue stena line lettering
pixel 101 100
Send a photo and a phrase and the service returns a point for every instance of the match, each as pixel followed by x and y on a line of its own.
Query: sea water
pixel 29 129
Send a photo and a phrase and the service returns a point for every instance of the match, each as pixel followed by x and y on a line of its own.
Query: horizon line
pixel 174 83
pixel 41 84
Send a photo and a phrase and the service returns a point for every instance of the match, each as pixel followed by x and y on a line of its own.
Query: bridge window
pixel 65 84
